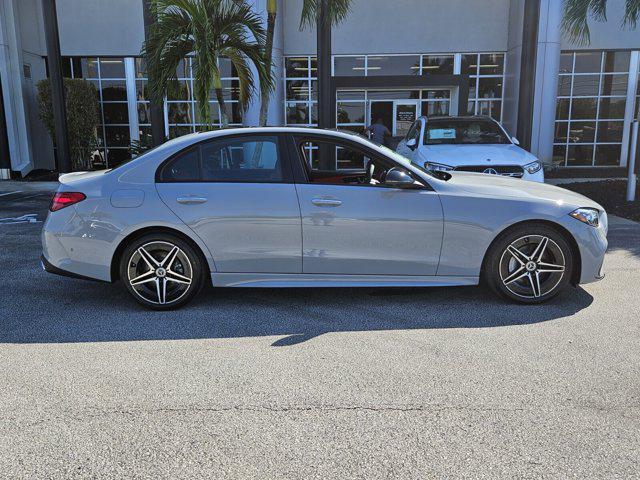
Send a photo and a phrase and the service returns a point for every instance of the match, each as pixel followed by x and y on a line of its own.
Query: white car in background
pixel 471 144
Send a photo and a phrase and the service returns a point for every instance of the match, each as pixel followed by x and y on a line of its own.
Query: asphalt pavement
pixel 313 383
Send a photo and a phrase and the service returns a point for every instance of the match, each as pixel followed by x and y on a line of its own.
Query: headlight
pixel 437 166
pixel 533 167
pixel 590 216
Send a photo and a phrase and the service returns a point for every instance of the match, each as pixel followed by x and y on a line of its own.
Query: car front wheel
pixel 529 264
pixel 161 271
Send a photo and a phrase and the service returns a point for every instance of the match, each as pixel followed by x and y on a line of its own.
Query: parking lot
pixel 302 383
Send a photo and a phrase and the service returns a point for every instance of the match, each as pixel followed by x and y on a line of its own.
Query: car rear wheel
pixel 161 271
pixel 529 264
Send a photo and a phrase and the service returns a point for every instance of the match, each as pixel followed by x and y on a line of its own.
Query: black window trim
pixel 283 155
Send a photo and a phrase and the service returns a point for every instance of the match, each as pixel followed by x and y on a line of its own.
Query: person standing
pixel 378 131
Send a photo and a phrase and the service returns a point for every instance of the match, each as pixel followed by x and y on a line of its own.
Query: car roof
pixel 457 117
pixel 191 138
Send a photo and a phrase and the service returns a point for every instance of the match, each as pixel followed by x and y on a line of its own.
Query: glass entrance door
pixel 405 112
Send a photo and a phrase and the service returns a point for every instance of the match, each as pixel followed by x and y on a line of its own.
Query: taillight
pixel 64 199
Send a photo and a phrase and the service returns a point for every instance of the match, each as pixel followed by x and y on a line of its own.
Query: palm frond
pixel 575 20
pixel 631 13
pixel 337 11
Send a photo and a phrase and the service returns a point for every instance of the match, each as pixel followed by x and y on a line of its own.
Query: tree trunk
pixel 223 108
pixel 268 57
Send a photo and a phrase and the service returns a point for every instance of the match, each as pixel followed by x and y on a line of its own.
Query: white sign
pixel 442 134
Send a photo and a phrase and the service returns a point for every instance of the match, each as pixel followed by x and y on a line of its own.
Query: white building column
pixel 629 112
pixel 276 101
pixel 11 72
pixel 546 79
pixel 132 105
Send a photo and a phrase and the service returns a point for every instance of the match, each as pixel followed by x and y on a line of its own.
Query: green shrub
pixel 81 99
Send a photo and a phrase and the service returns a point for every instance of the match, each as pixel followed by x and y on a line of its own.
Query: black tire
pixel 529 278
pixel 158 285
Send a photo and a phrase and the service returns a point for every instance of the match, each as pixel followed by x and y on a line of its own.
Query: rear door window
pixel 254 159
pixel 241 159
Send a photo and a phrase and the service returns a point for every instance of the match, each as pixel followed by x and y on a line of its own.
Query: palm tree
pixel 336 12
pixel 209 29
pixel 577 13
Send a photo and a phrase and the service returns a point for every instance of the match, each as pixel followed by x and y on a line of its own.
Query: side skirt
pixel 288 280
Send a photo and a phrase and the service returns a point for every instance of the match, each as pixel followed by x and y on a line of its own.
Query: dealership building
pixel 571 105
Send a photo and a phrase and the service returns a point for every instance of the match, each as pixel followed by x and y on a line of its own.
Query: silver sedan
pixel 296 207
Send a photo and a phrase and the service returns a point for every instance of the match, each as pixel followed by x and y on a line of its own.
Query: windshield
pixel 471 131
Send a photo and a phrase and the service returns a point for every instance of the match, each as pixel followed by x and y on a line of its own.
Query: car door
pixel 237 194
pixel 414 132
pixel 351 227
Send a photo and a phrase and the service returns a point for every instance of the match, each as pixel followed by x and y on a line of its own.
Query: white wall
pixel 105 27
pixel 423 26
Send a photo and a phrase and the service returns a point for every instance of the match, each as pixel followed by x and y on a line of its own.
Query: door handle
pixel 189 200
pixel 326 202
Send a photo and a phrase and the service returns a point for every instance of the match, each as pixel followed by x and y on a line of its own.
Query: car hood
pixel 457 155
pixel 499 186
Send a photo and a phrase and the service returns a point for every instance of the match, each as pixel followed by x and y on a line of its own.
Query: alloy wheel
pixel 160 272
pixel 532 266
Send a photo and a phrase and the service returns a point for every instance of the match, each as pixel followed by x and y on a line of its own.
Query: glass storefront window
pixel 591 102
pixel 301 91
pixel 486 72
pixel 614 85
pixel 582 132
pixel 435 109
pixel 560 135
pixel 298 89
pixel 610 132
pixel 490 87
pixel 437 64
pixel 612 107
pixel 230 90
pixel 180 113
pixel 89 68
pixel 588 62
pixel 616 61
pixel 350 95
pixel 583 108
pixel 107 74
pixel 486 83
pixel 491 64
pixel 349 66
pixel 564 85
pixel 393 65
pixel 586 85
pixel 116 113
pixel 112 68
pixel 350 112
pixel 580 155
pixel 297 113
pixel 566 62
pixel 297 67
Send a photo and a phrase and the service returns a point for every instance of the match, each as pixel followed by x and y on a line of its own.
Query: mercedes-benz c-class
pixel 298 207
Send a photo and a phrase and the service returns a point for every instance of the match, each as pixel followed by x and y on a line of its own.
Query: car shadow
pixel 69 311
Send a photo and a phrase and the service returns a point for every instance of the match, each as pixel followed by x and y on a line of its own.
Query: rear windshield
pixel 463 132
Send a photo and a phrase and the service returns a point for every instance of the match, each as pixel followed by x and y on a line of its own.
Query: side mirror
pixel 515 141
pixel 398 178
pixel 411 143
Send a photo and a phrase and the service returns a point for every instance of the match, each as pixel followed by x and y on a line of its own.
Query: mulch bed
pixel 611 194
